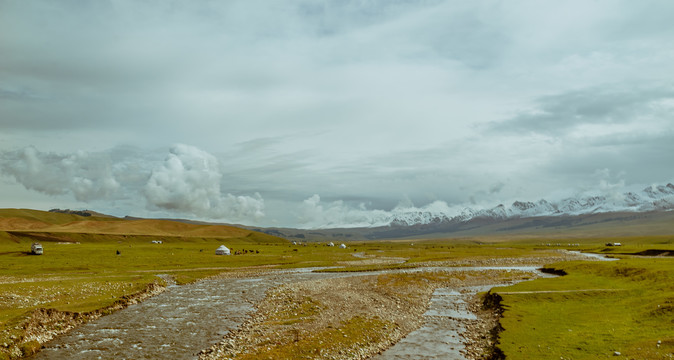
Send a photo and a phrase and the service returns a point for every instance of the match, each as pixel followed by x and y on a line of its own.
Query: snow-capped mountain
pixel 651 198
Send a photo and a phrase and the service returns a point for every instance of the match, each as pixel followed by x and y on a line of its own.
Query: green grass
pixel 595 310
pixel 89 275
pixel 349 335
pixel 420 251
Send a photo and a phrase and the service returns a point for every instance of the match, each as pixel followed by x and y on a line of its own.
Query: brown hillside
pixel 35 220
pixel 10 224
pixel 150 227
pixel 44 217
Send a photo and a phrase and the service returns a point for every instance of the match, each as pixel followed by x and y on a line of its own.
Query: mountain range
pixel 645 212
pixel 652 198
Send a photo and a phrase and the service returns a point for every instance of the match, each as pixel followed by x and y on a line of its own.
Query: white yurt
pixel 222 250
pixel 331 244
pixel 342 246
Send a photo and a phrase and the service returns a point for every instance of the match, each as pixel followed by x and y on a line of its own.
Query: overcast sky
pixel 306 113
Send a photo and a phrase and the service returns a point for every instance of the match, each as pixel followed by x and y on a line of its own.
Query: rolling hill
pixel 61 226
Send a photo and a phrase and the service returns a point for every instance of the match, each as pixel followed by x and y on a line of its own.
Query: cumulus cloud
pixel 87 176
pixel 189 181
pixel 317 214
pixel 339 214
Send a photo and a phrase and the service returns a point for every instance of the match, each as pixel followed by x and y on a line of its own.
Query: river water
pixel 440 335
pixel 183 320
pixel 594 256
pixel 175 324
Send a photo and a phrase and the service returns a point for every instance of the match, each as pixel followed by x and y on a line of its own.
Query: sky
pixel 312 113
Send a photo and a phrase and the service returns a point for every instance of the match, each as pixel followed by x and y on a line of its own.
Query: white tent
pixel 342 246
pixel 331 244
pixel 222 250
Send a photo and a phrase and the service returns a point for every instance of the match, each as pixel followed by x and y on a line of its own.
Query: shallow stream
pixel 183 320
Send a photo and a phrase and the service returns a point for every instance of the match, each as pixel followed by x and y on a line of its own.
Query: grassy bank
pixel 598 310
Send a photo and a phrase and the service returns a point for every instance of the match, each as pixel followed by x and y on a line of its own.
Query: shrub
pixel 30 347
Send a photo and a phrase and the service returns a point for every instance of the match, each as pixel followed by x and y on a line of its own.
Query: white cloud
pixel 338 214
pixel 317 214
pixel 189 181
pixel 87 176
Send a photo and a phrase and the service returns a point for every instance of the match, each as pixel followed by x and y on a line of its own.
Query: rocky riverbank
pixel 352 317
pixel 481 335
pixel 44 324
pixel 553 257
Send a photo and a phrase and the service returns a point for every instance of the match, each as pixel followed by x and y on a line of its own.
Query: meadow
pixel 623 308
pixel 90 264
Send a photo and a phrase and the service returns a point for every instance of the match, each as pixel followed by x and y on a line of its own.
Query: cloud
pixel 317 214
pixel 189 181
pixel 86 176
pixel 606 106
pixel 338 214
pixel 368 102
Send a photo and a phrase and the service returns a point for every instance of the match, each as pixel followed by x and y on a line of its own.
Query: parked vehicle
pixel 36 249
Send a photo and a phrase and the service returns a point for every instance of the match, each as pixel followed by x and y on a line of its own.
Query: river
pixel 183 320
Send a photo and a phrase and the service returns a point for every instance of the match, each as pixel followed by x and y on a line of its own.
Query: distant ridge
pixel 66 222
pixel 84 213
pixel 610 224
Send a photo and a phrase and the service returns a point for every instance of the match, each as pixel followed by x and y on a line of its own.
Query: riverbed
pixel 183 320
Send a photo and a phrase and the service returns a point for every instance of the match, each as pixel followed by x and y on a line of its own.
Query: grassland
pixel 597 309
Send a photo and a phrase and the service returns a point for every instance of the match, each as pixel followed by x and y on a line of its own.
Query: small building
pixel 331 244
pixel 342 246
pixel 222 250
pixel 36 249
